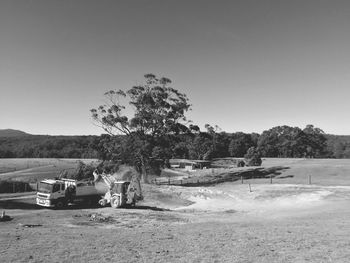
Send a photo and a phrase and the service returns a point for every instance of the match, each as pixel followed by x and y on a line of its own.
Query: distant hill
pixel 24 145
pixel 12 133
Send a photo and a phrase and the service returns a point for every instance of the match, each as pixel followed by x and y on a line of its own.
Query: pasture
pixel 326 172
pixel 278 170
pixel 22 175
pixel 32 170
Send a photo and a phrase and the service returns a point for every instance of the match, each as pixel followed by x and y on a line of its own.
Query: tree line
pixel 156 129
pixel 280 141
pixel 45 146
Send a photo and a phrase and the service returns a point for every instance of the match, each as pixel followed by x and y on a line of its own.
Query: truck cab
pixel 51 193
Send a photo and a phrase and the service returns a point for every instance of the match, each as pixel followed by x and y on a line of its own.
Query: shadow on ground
pixel 19 204
pixel 153 208
pixel 29 204
pixel 254 173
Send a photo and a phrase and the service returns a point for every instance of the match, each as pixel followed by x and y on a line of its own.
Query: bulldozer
pixel 120 193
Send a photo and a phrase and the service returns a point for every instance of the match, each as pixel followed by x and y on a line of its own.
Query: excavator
pixel 120 193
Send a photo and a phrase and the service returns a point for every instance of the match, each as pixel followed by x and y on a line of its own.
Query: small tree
pixel 253 157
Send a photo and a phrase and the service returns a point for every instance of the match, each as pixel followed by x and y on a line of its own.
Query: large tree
pixel 316 141
pixel 285 141
pixel 240 143
pixel 156 111
pixel 282 141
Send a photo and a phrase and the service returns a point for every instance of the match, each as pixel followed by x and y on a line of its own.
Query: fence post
pixel 250 189
pixel 241 179
pixel 180 182
pixel 309 179
pixel 270 178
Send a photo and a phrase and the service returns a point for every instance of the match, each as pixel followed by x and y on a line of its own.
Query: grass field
pixel 297 171
pixel 32 170
pixel 283 170
pixel 275 170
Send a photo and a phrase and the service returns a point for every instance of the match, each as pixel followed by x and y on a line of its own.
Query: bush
pixel 253 157
pixel 108 167
pixel 83 172
pixel 241 164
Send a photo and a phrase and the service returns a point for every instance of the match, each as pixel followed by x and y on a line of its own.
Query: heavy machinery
pixel 120 193
pixel 59 193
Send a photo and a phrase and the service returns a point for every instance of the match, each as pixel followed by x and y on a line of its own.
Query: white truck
pixel 58 193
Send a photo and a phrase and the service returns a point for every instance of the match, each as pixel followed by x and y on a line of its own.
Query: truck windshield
pixel 45 188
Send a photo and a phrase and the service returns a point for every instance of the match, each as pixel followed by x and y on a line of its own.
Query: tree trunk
pixel 144 175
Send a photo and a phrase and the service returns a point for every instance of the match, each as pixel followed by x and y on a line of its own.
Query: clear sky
pixel 245 65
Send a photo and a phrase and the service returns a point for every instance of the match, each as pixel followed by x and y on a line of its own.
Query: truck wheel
pixel 133 204
pixel 115 202
pixel 103 202
pixel 60 204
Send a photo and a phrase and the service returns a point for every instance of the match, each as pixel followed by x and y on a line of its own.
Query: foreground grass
pixel 146 234
pixel 149 233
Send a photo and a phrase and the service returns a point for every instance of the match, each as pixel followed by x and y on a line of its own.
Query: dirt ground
pixel 177 224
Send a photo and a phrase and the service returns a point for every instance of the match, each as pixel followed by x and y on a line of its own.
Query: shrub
pixel 83 172
pixel 108 167
pixel 253 157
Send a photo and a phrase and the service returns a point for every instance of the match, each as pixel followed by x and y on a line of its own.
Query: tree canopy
pixel 286 141
pixel 158 109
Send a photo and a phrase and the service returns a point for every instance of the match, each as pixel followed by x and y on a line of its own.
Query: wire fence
pixel 268 175
pixel 207 177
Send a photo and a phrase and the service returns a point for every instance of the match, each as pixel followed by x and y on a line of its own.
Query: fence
pixel 206 177
pixel 215 176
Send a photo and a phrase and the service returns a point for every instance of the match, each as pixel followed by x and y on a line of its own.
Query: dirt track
pixel 153 234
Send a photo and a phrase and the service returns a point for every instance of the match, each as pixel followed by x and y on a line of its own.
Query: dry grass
pixel 282 171
pixel 32 170
pixel 297 171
